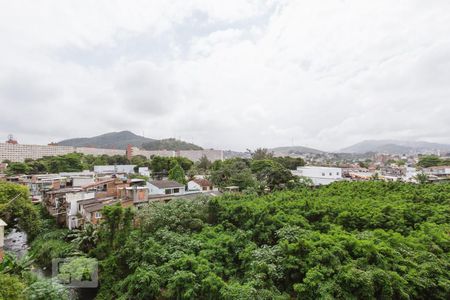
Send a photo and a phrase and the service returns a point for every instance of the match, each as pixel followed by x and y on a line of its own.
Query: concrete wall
pixel 19 152
pixel 320 175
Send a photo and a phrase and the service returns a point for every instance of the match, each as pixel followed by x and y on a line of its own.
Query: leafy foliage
pixel 17 209
pixel 46 290
pixel 170 144
pixel 360 240
pixel 177 174
pixel 432 161
pixel 11 287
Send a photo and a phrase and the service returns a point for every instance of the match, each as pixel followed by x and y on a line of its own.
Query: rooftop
pixel 166 184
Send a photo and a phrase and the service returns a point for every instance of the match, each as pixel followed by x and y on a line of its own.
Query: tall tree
pixel 177 174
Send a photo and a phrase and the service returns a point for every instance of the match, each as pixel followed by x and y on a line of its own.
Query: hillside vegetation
pixel 121 139
pixel 368 240
pixel 170 144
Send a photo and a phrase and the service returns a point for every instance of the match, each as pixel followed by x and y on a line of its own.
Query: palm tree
pixel 14 265
pixel 86 238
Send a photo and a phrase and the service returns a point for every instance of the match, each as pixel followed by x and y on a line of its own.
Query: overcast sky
pixel 228 74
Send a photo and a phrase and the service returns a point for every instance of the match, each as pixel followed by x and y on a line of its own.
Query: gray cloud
pixel 227 74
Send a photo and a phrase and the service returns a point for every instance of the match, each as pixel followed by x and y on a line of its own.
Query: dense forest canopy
pixel 367 240
pixel 348 240
pixel 432 161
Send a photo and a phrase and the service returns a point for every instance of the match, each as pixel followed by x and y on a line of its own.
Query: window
pixel 175 191
pixel 337 173
pixel 98 215
pixel 323 174
pixel 205 188
pixel 168 191
pixel 331 174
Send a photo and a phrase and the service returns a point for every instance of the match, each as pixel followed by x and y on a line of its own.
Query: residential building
pixel 439 171
pixel 320 175
pixel 90 211
pixel 75 179
pixel 165 187
pixel 68 204
pixel 144 171
pixel 133 193
pixel 72 200
pixel 200 184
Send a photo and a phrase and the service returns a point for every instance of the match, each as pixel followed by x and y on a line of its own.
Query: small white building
pixel 144 171
pixel 165 187
pixel 319 175
pixel 73 200
pixel 200 184
pixel 113 169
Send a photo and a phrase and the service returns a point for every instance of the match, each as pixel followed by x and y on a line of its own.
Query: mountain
pixel 295 150
pixel 396 147
pixel 121 139
pixel 170 144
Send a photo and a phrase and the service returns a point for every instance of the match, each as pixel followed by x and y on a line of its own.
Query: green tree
pixel 261 153
pixel 422 178
pixel 86 238
pixel 204 163
pixel 46 290
pixel 429 161
pixel 17 209
pixel 16 168
pixel 177 174
pixel 11 287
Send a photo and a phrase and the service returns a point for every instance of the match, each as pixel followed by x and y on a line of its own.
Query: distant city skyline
pixel 227 74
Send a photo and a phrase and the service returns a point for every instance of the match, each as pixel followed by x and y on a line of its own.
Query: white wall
pixel 320 175
pixel 194 186
pixel 72 209
pixel 114 169
pixel 154 190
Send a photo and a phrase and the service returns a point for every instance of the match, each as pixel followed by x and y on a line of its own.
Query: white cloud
pixel 226 74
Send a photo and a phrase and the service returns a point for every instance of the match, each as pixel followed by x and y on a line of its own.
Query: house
pixel 106 187
pixel 64 203
pixel 72 199
pixel 200 184
pixel 165 187
pixel 78 178
pixel 133 193
pixel 439 171
pixel 90 211
pixel 2 238
pixel 144 171
pixel 320 175
pixel 56 204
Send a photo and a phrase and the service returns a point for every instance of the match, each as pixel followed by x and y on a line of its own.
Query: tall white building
pixel 320 175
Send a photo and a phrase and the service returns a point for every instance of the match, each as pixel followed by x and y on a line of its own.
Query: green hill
pixel 121 139
pixel 170 144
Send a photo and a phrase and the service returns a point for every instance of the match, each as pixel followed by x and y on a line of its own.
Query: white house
pixel 165 187
pixel 72 200
pixel 144 171
pixel 199 184
pixel 320 175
